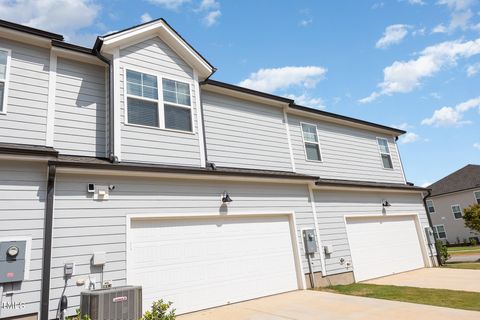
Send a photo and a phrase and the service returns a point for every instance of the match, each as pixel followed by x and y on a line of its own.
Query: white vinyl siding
pixel 430 206
pixel 245 134
pixel 477 196
pixel 333 206
pixel 457 211
pixel 439 232
pixel 83 226
pixel 26 111
pixel 80 109
pixel 148 143
pixel 22 210
pixel 4 75
pixel 347 153
pixel 385 153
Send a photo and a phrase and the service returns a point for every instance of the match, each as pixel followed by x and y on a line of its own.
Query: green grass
pixel 435 297
pixel 463 250
pixel 463 265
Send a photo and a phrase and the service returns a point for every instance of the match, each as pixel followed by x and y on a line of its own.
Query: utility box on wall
pixel 310 241
pixel 12 261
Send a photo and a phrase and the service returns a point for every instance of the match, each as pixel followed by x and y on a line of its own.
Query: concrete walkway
pixel 314 305
pixel 436 278
pixel 464 258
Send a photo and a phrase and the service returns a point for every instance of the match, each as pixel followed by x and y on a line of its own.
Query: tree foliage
pixel 471 216
pixel 160 311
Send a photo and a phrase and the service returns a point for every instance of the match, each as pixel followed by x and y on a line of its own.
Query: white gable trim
pixel 171 38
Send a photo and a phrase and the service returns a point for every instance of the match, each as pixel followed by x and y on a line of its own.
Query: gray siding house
pixel 448 197
pixel 128 151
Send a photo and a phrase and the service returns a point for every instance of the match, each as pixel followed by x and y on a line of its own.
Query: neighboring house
pixel 449 196
pixel 129 152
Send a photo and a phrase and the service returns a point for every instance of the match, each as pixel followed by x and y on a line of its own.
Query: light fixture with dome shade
pixel 226 197
pixel 385 203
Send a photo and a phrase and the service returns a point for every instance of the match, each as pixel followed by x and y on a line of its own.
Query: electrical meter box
pixel 310 241
pixel 429 235
pixel 12 261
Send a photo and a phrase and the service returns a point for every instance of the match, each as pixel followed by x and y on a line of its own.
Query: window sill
pixel 161 129
pixel 314 161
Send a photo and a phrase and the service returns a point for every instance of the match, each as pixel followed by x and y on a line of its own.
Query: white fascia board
pixel 160 29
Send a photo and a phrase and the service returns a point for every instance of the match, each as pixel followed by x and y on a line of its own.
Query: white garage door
pixel 383 246
pixel 202 263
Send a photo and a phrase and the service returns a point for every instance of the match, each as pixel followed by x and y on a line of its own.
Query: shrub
pixel 78 316
pixel 473 242
pixel 442 251
pixel 160 311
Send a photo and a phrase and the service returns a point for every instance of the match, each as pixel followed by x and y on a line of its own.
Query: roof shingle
pixel 465 178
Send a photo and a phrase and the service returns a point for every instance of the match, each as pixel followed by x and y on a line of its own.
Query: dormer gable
pixel 156 28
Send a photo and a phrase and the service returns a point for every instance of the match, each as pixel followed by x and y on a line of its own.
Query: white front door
pixel 382 246
pixel 205 262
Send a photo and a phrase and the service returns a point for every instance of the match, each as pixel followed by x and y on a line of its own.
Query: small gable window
pixel 4 73
pixel 311 143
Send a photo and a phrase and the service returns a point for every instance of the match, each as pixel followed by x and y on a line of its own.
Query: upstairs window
pixel 311 143
pixel 430 207
pixel 385 153
pixel 4 70
pixel 171 109
pixel 457 211
pixel 439 232
pixel 477 196
pixel 177 105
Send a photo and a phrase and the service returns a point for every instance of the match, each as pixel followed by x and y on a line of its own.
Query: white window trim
pixel 475 197
pixel 6 81
pixel 159 101
pixel 451 208
pixel 433 206
pixel 444 231
pixel 382 153
pixel 318 143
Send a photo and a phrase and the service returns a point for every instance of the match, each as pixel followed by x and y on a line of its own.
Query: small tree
pixel 442 251
pixel 471 216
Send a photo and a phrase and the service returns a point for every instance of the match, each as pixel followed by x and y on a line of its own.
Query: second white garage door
pixel 202 263
pixel 382 246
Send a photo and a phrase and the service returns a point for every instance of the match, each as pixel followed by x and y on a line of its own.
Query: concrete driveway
pixel 436 278
pixel 314 305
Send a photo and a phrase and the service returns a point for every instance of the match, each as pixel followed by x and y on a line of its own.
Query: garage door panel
pixel 201 263
pixel 382 246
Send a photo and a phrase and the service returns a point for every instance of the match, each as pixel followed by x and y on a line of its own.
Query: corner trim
pixel 200 126
pixel 117 131
pixel 52 85
pixel 47 243
pixel 317 231
pixel 289 139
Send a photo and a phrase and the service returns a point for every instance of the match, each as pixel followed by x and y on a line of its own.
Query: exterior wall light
pixel 226 197
pixel 385 203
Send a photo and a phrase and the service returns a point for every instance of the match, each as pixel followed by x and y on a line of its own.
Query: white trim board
pixel 52 85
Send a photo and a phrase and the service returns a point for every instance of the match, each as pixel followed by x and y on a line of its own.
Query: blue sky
pixel 414 64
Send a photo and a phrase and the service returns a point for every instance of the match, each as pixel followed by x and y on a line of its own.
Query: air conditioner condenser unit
pixel 120 303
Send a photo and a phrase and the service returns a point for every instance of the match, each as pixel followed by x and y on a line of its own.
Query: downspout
pixel 424 198
pixel 111 137
pixel 47 242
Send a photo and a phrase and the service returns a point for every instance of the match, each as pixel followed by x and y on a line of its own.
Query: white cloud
pixel 473 69
pixel 476 145
pixel 402 126
pixel 393 34
pixel 378 5
pixel 417 2
pixel 419 32
pixel 212 11
pixel 169 4
pixel 452 116
pixel 62 16
pixel 146 17
pixel 274 79
pixel 460 16
pixel 211 18
pixel 404 76
pixel 426 184
pixel 307 101
pixel 208 5
pixel 409 137
pixel 305 22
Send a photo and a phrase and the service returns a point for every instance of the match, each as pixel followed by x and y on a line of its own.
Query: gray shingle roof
pixel 465 178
